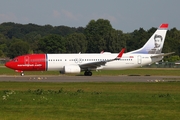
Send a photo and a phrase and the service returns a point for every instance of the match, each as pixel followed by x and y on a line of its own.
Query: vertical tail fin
pixel 155 44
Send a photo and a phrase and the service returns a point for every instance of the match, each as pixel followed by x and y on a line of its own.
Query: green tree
pixel 1 53
pixel 3 45
pixel 52 44
pixel 172 43
pixel 32 38
pixel 75 43
pixel 173 58
pixel 138 39
pixel 3 49
pixel 18 47
pixel 97 34
pixel 116 40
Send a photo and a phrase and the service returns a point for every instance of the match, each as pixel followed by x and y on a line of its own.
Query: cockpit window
pixel 15 60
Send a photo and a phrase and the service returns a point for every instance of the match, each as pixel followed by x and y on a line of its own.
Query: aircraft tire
pixel 22 74
pixel 87 73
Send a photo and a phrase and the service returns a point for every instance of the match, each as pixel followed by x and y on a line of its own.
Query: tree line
pixel 18 39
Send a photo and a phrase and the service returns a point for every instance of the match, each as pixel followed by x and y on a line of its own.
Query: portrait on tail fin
pixel 157 45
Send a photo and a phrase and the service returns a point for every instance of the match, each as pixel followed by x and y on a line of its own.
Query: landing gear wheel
pixel 87 73
pixel 22 74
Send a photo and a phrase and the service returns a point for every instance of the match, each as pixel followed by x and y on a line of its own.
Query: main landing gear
pixel 87 73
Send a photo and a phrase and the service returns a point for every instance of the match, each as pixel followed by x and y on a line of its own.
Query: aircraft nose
pixel 8 64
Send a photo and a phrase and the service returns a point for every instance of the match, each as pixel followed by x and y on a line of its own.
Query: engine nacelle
pixel 71 69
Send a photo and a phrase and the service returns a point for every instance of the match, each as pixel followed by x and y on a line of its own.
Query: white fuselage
pixel 58 61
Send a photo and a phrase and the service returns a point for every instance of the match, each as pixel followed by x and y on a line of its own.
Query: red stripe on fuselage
pixel 30 62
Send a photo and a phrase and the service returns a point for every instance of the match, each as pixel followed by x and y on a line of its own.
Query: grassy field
pixel 89 101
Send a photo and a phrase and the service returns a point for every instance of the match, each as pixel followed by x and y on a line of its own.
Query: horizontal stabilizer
pixel 162 54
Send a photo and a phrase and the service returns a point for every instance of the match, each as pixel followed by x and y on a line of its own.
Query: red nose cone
pixel 9 65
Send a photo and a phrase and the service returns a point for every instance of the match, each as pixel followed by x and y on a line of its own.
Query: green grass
pixel 135 71
pixel 89 101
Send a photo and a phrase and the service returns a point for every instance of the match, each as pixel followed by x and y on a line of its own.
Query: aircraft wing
pixel 94 65
pixel 162 54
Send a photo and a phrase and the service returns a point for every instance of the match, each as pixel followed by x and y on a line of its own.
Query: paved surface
pixel 36 78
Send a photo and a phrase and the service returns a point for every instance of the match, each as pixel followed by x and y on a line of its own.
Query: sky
pixel 125 15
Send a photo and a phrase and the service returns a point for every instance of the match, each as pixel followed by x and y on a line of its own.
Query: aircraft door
pixel 76 60
pixel 80 60
pixel 139 59
pixel 26 60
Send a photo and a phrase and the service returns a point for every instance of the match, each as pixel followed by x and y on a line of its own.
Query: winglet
pixel 164 26
pixel 102 52
pixel 121 53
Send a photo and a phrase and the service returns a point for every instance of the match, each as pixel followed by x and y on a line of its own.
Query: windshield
pixel 15 60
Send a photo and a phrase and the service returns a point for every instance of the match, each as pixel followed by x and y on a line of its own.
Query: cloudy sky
pixel 125 15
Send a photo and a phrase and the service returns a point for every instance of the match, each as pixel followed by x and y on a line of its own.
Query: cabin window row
pixel 98 59
pixel 55 59
pixel 89 60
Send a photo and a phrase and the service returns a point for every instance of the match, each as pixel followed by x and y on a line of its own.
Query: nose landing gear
pixel 22 73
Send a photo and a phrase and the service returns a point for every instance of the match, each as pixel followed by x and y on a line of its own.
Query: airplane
pixel 87 62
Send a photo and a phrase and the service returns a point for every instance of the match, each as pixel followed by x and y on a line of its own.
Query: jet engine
pixel 71 69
